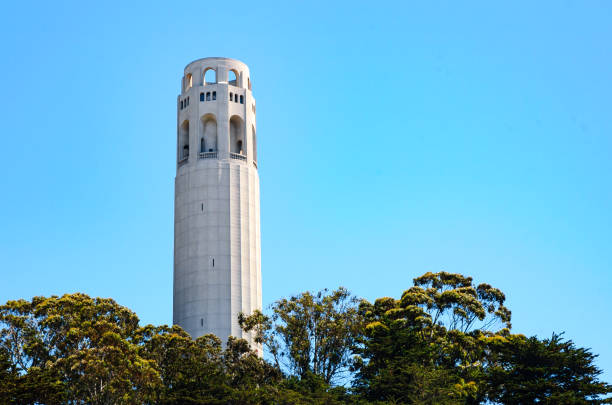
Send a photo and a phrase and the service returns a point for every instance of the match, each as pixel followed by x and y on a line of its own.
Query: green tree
pixel 8 379
pixel 310 333
pixel 75 347
pixel 191 371
pixel 445 341
pixel 552 371
pixel 428 346
pixel 200 372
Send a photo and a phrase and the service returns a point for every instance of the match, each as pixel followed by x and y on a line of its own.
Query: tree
pixel 427 347
pixel 552 371
pixel 200 372
pixel 191 371
pixel 75 346
pixel 445 341
pixel 8 379
pixel 453 302
pixel 310 333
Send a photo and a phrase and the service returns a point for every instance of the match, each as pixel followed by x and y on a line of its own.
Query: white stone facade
pixel 217 265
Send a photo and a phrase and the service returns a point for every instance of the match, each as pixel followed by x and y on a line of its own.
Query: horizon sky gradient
pixel 393 140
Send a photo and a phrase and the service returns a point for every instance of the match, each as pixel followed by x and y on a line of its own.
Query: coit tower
pixel 217 266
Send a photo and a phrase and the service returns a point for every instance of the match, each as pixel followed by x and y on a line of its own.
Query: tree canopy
pixel 445 340
pixel 310 333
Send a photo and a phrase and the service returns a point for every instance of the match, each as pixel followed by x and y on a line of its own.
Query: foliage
pixel 452 301
pixel 8 378
pixel 310 333
pixel 552 371
pixel 435 345
pixel 75 346
pixel 425 347
pixel 445 341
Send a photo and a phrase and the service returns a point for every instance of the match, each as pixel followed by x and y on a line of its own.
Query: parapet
pixel 212 70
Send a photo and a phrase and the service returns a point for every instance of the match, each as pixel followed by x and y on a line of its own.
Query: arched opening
pixel 184 140
pixel 188 81
pixel 232 77
pixel 208 134
pixel 237 141
pixel 254 144
pixel 210 76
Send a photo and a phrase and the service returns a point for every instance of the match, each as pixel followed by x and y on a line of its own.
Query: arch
pixel 232 77
pixel 254 143
pixel 237 141
pixel 210 76
pixel 188 81
pixel 208 133
pixel 184 140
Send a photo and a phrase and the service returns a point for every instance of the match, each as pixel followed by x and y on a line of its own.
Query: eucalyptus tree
pixel 428 346
pixel 76 349
pixel 310 333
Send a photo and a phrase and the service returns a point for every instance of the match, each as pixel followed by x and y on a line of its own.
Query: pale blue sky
pixel 394 139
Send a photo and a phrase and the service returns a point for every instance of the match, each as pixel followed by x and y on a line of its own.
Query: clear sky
pixel 394 139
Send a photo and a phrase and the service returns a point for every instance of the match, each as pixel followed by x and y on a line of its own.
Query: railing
pixel 255 164
pixel 238 156
pixel 208 155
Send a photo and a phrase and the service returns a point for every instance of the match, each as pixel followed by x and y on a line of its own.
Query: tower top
pixel 216 70
pixel 219 60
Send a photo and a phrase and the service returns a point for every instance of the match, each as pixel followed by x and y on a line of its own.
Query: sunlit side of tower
pixel 217 266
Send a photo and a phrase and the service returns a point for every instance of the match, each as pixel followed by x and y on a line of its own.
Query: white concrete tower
pixel 217 266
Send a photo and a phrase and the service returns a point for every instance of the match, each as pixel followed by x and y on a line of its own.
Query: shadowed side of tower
pixel 217 261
